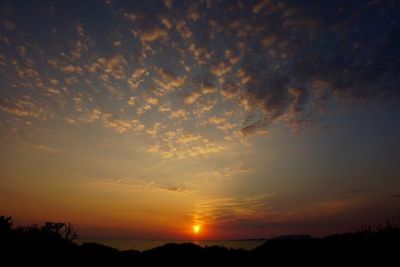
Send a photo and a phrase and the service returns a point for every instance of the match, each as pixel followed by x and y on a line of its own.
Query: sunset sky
pixel 249 119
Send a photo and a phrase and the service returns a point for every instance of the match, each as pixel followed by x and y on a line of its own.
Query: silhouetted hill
pixel 365 246
pixel 52 244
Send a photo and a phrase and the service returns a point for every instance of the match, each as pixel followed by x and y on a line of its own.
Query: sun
pixel 196 228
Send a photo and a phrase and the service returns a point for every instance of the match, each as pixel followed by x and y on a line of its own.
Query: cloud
pixel 137 78
pixel 269 39
pixel 181 144
pixel 93 115
pixel 208 88
pixel 169 81
pixel 79 29
pixel 121 125
pixel 81 43
pixel 149 185
pixel 166 22
pixel 214 27
pixel 138 73
pixel 79 48
pixel 259 5
pixel 169 188
pixel 70 120
pixel 222 174
pixel 117 43
pixel 132 16
pixel 220 68
pixel 243 76
pixel 191 97
pixel 164 151
pixel 168 3
pixel 229 90
pixel 109 120
pixel 254 129
pixel 132 101
pixel 220 211
pixel 240 26
pixel 78 102
pixel 114 66
pixel 216 120
pixel 298 98
pixel 53 91
pixel 118 125
pixel 204 106
pixel 24 106
pixel 180 136
pixel 151 34
pixel 70 69
pixel 227 126
pixel 183 29
pixel 320 90
pixel 188 138
pixel 157 126
pixel 22 51
pixel 206 148
pixel 164 108
pixel 193 13
pixel 233 58
pixel 179 114
pixel 276 99
pixel 200 53
pixel 152 100
pixel 90 116
pixel 44 148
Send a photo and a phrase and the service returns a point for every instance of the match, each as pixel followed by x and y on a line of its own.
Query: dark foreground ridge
pixel 52 244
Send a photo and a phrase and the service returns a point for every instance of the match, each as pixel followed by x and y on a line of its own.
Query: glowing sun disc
pixel 196 228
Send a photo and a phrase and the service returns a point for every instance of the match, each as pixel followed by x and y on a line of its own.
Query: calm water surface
pixel 127 244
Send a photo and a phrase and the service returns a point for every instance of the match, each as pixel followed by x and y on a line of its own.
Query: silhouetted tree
pixel 59 230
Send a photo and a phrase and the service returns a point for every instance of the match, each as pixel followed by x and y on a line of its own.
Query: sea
pixel 141 245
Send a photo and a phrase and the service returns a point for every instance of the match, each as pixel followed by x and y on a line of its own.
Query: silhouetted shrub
pixel 5 225
pixel 63 231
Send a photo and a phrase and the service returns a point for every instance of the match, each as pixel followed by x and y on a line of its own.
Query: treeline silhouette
pixel 51 244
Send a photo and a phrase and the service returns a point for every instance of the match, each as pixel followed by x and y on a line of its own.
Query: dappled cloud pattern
pixel 160 66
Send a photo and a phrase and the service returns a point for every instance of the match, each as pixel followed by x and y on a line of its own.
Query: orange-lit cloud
pixel 149 185
pixel 25 106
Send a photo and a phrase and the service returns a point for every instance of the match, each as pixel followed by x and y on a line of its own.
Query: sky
pixel 246 119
